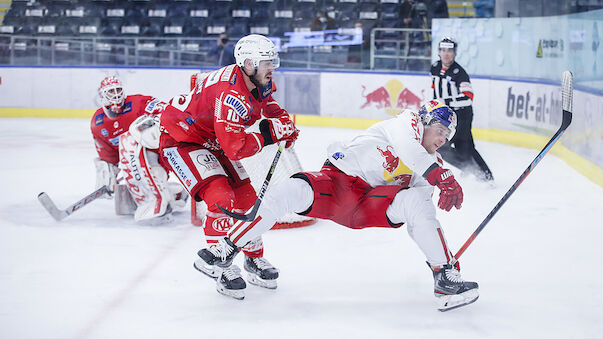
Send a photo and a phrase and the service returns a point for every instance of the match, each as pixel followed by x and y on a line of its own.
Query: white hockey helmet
pixel 256 48
pixel 447 42
pixel 112 96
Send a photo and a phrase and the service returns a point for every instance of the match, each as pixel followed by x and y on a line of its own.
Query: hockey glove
pixel 451 193
pixel 145 129
pixel 278 129
pixel 106 174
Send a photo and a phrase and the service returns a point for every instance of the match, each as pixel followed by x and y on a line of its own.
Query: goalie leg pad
pixel 124 204
pixel 146 179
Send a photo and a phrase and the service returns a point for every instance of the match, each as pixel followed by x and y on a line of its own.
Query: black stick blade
pixel 244 217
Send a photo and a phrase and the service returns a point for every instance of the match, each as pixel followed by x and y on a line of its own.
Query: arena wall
pixel 511 111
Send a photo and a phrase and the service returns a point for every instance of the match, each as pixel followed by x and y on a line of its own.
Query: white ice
pixel 97 275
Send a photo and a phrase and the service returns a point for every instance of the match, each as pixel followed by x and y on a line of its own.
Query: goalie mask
pixel 112 96
pixel 433 112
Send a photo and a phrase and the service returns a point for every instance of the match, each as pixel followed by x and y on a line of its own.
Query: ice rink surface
pixel 97 275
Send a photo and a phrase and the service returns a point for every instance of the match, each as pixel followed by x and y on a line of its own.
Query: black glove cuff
pixel 431 168
pixel 265 131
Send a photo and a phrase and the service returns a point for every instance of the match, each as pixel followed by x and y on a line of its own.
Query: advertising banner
pixel 371 96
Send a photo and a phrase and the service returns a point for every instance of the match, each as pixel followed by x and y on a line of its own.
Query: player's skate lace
pixel 453 275
pixel 261 263
pixel 232 272
pixel 221 250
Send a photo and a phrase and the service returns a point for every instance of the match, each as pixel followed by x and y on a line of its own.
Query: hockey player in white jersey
pixel 382 178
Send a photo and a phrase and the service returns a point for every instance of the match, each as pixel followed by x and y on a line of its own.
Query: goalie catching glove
pixel 278 129
pixel 451 193
pixel 145 130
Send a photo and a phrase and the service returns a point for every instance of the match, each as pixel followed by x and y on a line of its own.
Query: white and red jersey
pixel 386 153
pixel 106 131
pixel 217 113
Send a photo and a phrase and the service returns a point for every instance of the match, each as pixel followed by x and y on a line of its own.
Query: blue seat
pixel 219 9
pixel 111 27
pixel 178 9
pixel 238 28
pixel 278 28
pixel 89 26
pixel 261 10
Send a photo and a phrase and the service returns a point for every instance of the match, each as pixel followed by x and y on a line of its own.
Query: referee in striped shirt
pixel 451 85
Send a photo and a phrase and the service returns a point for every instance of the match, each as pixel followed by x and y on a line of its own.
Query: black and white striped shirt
pixel 451 85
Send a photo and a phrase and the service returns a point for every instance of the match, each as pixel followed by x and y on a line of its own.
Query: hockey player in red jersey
pixel 382 178
pixel 123 132
pixel 206 134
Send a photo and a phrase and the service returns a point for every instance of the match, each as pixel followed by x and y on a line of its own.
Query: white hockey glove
pixel 278 129
pixel 145 129
pixel 106 174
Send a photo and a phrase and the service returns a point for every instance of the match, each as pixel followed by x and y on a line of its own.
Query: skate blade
pixel 236 294
pixel 450 302
pixel 211 271
pixel 257 281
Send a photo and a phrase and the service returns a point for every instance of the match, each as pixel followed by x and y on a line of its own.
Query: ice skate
pixel 215 257
pixel 451 291
pixel 230 283
pixel 261 272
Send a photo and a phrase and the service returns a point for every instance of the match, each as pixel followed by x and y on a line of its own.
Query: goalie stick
pixel 58 214
pixel 254 210
pixel 567 91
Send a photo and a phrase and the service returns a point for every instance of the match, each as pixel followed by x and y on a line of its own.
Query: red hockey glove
pixel 451 193
pixel 278 129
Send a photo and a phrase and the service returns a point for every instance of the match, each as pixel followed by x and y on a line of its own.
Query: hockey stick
pixel 254 210
pixel 567 90
pixel 58 214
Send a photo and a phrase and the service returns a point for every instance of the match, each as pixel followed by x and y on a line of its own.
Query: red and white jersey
pixel 106 131
pixel 386 153
pixel 217 113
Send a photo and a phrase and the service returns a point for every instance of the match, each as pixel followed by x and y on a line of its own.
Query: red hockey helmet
pixel 112 96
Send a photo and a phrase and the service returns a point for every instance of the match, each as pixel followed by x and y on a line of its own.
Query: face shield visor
pixel 265 65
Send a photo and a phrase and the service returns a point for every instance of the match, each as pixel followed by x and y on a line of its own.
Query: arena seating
pixel 194 18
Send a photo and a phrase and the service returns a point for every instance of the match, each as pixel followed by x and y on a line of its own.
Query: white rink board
pixel 498 103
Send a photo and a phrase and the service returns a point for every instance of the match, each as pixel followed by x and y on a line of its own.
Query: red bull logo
pixel 394 97
pixel 391 161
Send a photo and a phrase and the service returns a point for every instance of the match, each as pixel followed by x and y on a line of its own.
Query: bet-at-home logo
pixel 541 107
